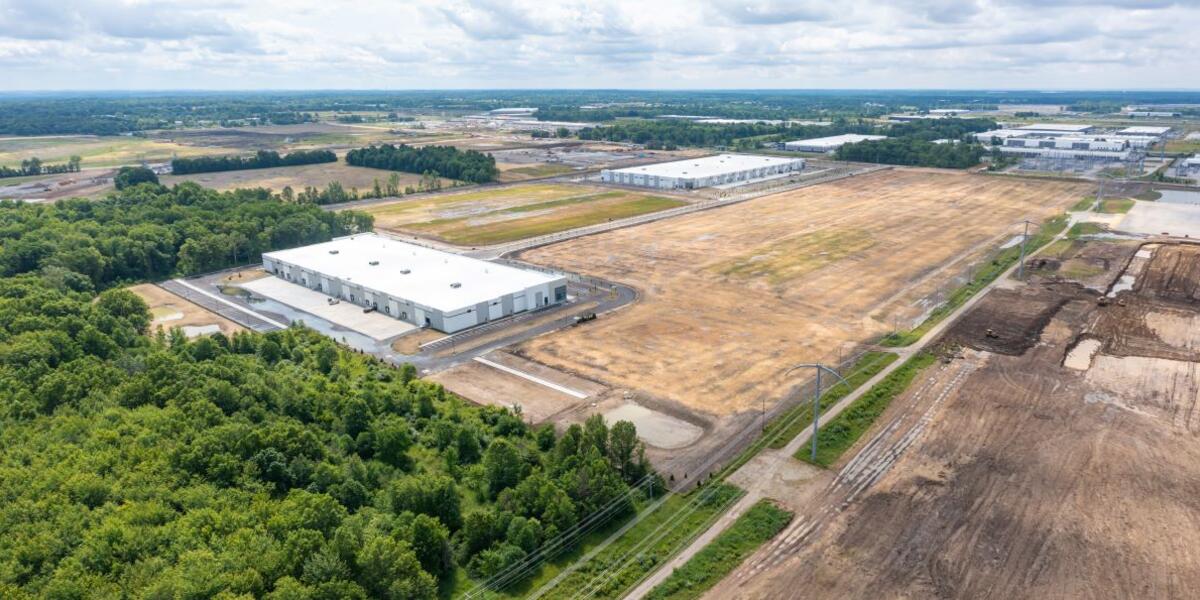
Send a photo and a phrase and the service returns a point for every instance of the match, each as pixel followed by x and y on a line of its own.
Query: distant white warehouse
pixel 418 285
pixel 709 171
pixel 829 144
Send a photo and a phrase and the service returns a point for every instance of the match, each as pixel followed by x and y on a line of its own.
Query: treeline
pixel 914 151
pixel 674 133
pixel 335 193
pixel 446 161
pixel 911 143
pixel 35 166
pixel 140 463
pixel 263 159
pixel 151 232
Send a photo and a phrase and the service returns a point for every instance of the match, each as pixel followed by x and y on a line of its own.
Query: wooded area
pixel 143 464
pixel 263 159
pixel 443 161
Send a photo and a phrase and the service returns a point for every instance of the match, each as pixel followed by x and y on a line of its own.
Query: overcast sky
pixel 304 44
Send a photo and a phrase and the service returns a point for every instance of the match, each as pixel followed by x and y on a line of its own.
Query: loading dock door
pixel 520 303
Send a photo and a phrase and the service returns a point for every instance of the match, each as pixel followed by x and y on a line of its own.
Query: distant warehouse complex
pixel 418 285
pixel 1062 146
pixel 828 144
pixel 704 172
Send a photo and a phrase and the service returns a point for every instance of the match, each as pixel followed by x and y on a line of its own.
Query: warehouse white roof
pixel 834 141
pixel 430 272
pixel 1144 130
pixel 1062 127
pixel 708 166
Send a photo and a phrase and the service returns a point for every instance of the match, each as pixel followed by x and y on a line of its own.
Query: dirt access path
pixel 733 295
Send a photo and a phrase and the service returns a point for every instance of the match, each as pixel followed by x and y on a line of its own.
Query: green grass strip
pixel 839 435
pixel 1083 204
pixel 790 424
pixel 984 276
pixel 761 523
pixel 1115 206
pixel 683 525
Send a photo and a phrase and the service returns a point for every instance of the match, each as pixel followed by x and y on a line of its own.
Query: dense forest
pixel 138 463
pixel 151 232
pixel 672 133
pixel 263 159
pixel 35 166
pixel 444 161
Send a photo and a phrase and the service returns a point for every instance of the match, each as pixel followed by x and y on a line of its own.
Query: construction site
pixel 1049 452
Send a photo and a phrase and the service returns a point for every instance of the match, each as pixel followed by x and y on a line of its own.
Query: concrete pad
pixel 656 429
pixel 375 325
pixel 1154 218
pixel 482 384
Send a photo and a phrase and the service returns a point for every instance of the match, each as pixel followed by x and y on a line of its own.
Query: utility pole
pixel 816 405
pixel 1021 263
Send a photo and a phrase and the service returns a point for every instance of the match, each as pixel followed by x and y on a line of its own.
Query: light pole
pixel 816 407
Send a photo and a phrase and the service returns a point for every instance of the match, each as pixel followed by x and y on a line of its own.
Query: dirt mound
pixel 1173 274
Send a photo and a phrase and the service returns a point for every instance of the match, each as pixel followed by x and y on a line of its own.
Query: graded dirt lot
pixel 731 297
pixel 1030 478
pixel 318 176
pixel 168 310
pixel 515 212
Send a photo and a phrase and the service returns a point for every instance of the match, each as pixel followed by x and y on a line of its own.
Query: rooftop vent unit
pixel 405 271
pixel 333 251
pixel 456 285
pixel 374 263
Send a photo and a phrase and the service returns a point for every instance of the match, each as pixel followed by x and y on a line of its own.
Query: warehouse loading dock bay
pixel 414 284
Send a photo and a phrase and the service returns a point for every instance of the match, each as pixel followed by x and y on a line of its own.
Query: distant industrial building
pixel 709 171
pixel 1153 114
pixel 1145 130
pixel 1189 167
pixel 1056 128
pixel 1039 138
pixel 415 284
pixel 522 111
pixel 829 144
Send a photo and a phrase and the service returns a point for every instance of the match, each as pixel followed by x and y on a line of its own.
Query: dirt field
pixel 515 212
pixel 1029 479
pixel 299 177
pixel 733 296
pixel 168 310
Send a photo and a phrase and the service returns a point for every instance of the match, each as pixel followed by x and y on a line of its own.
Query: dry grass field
pixel 511 213
pixel 298 178
pixel 733 296
pixel 99 151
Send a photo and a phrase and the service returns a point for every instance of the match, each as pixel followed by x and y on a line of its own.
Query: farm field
pixel 299 177
pixel 732 297
pixel 1059 463
pixel 99 151
pixel 516 212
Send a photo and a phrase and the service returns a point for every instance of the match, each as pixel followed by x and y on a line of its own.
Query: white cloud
pixel 148 44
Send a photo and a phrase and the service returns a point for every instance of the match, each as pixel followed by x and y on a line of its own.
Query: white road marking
pixel 554 386
pixel 226 302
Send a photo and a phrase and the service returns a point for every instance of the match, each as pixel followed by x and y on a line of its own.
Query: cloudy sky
pixel 306 44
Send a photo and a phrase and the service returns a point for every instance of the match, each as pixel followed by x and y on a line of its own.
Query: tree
pixel 131 176
pixel 502 466
pixel 392 440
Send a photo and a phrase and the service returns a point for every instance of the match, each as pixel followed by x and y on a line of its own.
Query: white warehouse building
pixel 829 144
pixel 418 285
pixel 709 171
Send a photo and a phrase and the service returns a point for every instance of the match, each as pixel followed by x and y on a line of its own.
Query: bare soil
pixel 168 311
pixel 731 297
pixel 1032 479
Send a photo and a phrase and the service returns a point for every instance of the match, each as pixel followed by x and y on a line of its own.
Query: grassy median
pixel 761 523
